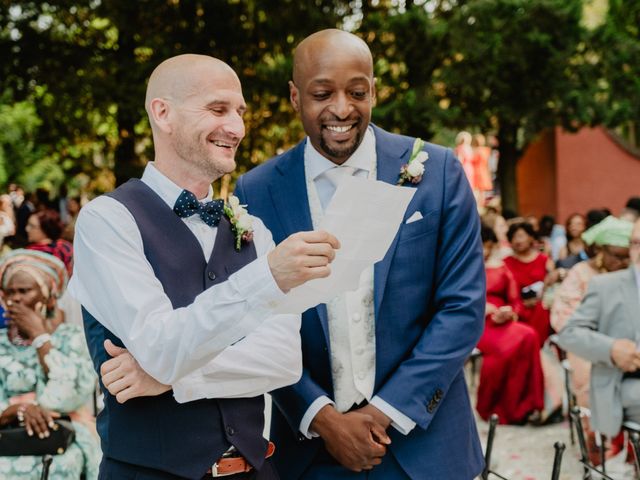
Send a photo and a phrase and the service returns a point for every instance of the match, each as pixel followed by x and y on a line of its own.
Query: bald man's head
pixel 333 40
pixel 196 107
pixel 333 90
pixel 179 77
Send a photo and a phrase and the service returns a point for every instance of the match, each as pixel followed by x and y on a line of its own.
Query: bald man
pixel 162 270
pixel 382 393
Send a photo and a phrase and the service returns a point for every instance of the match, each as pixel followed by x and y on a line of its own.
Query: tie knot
pixel 210 212
pixel 338 173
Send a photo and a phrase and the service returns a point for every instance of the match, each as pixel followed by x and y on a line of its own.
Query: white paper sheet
pixel 365 216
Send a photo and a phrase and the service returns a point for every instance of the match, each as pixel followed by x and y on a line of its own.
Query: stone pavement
pixel 526 452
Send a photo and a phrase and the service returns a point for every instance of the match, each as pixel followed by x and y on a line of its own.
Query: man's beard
pixel 195 153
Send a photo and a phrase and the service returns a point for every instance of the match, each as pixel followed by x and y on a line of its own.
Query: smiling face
pixel 208 125
pixel 195 105
pixel 333 91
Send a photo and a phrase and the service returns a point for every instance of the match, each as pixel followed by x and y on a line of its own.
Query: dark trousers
pixel 114 470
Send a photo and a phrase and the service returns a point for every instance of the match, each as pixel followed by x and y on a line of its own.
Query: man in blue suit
pixel 382 394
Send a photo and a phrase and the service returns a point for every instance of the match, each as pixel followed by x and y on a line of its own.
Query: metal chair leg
pixel 582 443
pixel 493 422
pixel 600 442
pixel 46 464
pixel 635 443
pixel 557 460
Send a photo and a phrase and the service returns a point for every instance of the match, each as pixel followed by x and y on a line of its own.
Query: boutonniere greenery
pixel 413 170
pixel 241 221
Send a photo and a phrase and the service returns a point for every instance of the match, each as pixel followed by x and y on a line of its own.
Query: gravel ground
pixel 527 452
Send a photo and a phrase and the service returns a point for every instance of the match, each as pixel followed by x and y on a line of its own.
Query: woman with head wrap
pixel 609 241
pixel 45 368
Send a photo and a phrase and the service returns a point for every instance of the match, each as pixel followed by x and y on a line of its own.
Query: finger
pixel 315 261
pixel 28 426
pixel 323 250
pixel 40 425
pixel 126 394
pixel 113 350
pixel 319 236
pixel 112 370
pixel 119 385
pixel 379 435
pixel 317 272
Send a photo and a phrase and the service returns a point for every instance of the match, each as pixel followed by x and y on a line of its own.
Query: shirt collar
pixel 164 187
pixel 360 160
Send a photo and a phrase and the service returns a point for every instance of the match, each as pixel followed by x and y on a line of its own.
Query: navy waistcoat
pixel 157 432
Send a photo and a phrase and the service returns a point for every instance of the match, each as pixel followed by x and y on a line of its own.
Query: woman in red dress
pixel 529 268
pixel 511 379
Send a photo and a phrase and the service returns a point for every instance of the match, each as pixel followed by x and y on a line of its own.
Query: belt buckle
pixel 215 474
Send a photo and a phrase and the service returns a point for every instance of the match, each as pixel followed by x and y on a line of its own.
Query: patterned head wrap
pixel 610 231
pixel 48 271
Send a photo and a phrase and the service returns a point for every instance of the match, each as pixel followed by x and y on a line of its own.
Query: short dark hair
pixel 50 223
pixel 595 216
pixel 526 226
pixel 634 203
pixel 487 234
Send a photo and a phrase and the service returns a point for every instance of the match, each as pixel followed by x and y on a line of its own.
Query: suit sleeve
pixel 580 335
pixel 458 301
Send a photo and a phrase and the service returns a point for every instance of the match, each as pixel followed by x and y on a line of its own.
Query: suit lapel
pixel 289 195
pixel 392 152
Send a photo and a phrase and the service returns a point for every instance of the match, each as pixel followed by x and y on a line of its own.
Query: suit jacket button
pixel 439 394
pixel 301 438
pixel 231 431
pixel 211 275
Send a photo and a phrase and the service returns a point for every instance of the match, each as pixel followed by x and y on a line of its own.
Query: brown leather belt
pixel 226 466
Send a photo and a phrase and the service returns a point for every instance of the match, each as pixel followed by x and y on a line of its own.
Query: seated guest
pixel 604 329
pixel 574 250
pixel 511 380
pixel 609 239
pixel 45 368
pixel 529 268
pixel 44 230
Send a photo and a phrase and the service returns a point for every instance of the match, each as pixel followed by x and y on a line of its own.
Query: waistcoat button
pixel 211 275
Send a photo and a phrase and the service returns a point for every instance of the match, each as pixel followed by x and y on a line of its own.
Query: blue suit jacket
pixel 429 296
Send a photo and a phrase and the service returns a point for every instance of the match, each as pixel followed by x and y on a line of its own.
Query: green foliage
pixel 77 73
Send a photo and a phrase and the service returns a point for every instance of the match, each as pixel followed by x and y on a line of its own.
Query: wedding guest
pixel 481 183
pixel 44 229
pixel 529 268
pixel 464 153
pixel 45 368
pixel 7 219
pixel 575 225
pixel 604 330
pixel 511 379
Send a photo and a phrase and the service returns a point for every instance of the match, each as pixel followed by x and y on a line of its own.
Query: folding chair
pixel 493 423
pixel 473 358
pixel 578 413
pixel 633 429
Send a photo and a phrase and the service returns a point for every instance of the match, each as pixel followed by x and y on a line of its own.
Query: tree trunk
pixel 509 154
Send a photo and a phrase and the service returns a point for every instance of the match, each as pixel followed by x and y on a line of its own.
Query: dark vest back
pixel 157 432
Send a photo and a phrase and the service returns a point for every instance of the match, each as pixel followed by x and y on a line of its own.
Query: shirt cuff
pixel 399 420
pixel 311 413
pixel 256 284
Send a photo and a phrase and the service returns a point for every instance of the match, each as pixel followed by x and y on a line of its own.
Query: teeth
pixel 338 129
pixel 220 144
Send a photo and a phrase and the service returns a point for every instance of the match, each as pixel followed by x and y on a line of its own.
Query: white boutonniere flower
pixel 241 221
pixel 413 170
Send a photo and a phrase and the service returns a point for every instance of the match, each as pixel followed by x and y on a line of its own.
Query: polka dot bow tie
pixel 188 205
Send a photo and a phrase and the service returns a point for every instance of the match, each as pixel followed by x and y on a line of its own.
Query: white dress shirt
pixel 351 315
pixel 227 343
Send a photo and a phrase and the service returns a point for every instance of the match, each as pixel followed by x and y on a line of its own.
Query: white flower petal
pixel 421 157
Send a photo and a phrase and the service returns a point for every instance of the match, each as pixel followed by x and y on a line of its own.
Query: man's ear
pixel 374 95
pixel 294 96
pixel 159 109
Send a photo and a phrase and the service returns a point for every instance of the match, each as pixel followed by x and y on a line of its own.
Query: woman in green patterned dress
pixel 45 368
